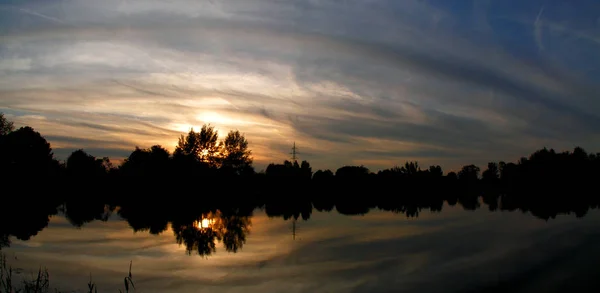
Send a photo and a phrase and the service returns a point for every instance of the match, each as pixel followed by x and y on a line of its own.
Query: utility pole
pixel 294 152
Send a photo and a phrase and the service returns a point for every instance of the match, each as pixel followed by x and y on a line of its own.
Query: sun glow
pixel 215 118
pixel 204 223
pixel 209 220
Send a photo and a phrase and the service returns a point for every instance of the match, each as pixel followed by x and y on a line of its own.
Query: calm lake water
pixel 450 251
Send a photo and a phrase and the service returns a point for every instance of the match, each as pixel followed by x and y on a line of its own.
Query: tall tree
pixel 188 145
pixel 410 168
pixel 209 147
pixel 6 126
pixel 202 146
pixel 235 155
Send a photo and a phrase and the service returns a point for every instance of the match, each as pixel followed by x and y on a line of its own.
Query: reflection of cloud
pixel 337 79
pixel 450 251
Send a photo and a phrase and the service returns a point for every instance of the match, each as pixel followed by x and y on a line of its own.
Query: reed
pixel 40 282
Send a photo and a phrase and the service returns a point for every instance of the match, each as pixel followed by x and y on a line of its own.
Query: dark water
pixel 450 251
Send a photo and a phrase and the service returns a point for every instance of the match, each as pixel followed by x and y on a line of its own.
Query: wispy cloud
pixel 342 79
pixel 538 29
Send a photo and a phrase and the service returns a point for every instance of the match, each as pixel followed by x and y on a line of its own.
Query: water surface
pixel 455 250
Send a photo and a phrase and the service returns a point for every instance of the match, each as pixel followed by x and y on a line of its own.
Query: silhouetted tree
pixel 306 170
pixel 6 126
pixel 234 154
pixel 469 173
pixel 152 162
pixel 349 177
pixel 452 176
pixel 201 146
pixel 26 152
pixel 492 173
pixel 323 176
pixel 436 171
pixel 80 163
pixel 188 145
pixel 410 168
pixel 533 184
pixel 352 172
pixel 579 154
pixel 290 170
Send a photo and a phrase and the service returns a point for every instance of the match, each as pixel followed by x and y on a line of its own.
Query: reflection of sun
pixel 208 220
pixel 204 223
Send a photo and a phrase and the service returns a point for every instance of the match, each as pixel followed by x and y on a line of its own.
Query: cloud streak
pixel 345 80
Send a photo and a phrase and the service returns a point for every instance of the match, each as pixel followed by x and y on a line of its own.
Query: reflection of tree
pixel 289 208
pixel 194 238
pixel 81 211
pixel 469 201
pixel 4 241
pixel 148 217
pixel 201 235
pixel 234 231
pixel 23 220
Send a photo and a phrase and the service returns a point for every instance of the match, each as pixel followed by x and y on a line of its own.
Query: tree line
pixel 25 152
pixel 200 154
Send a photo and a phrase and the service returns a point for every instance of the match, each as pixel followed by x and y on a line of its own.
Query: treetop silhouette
pixel 6 126
pixel 25 152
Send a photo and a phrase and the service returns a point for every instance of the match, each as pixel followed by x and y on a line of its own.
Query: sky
pixel 352 82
